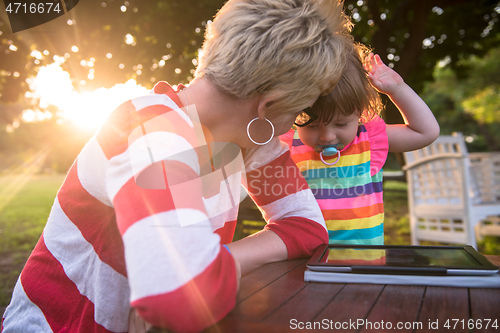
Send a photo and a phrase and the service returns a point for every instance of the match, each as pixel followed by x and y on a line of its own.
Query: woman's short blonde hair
pixel 293 50
pixel 353 92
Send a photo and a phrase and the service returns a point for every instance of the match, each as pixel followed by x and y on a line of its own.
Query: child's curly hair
pixel 353 93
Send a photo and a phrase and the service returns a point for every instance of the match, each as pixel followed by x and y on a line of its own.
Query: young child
pixel 341 144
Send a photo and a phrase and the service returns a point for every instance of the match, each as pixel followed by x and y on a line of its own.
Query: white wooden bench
pixel 453 196
pixel 485 171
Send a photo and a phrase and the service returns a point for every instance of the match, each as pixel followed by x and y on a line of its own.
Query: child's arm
pixel 420 128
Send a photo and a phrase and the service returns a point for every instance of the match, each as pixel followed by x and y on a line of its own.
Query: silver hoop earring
pixel 260 143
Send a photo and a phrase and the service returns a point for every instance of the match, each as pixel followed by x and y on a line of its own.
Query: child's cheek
pixel 308 136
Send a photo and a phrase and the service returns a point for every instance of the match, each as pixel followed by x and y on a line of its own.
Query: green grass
pixel 23 217
pixel 396 221
pixel 24 207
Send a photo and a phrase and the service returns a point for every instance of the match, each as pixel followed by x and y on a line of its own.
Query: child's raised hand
pixel 383 78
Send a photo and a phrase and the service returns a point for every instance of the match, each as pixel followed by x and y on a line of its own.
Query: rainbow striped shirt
pixel 349 193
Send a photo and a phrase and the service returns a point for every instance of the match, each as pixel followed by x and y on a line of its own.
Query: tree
pixel 153 40
pixel 471 104
pixel 104 43
pixel 413 35
pixel 482 94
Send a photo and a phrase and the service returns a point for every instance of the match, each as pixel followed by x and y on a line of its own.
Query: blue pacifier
pixel 329 150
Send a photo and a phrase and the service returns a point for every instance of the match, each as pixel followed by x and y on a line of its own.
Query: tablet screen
pixel 418 257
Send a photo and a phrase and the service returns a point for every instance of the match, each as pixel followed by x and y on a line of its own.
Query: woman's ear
pixel 266 102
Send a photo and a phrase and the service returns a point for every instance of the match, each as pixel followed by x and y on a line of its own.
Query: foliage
pixel 484 105
pixel 413 35
pixel 470 105
pixel 159 40
pixel 115 41
pixel 63 142
pixel 482 98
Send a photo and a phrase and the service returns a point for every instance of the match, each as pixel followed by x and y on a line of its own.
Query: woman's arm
pixel 257 250
pixel 420 128
pixel 295 226
pixel 172 254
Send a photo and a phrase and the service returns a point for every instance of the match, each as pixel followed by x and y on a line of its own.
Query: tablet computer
pixel 404 259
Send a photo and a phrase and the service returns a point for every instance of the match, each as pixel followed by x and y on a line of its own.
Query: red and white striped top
pixel 113 240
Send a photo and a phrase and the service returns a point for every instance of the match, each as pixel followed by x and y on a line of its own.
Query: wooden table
pixel 275 298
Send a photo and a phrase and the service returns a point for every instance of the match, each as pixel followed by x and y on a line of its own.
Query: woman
pixel 137 222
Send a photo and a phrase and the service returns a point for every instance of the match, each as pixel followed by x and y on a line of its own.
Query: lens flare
pixel 53 86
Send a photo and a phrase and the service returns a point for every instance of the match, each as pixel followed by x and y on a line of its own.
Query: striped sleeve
pixel 276 185
pixel 178 275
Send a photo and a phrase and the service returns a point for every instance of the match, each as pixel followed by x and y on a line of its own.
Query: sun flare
pixel 52 86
